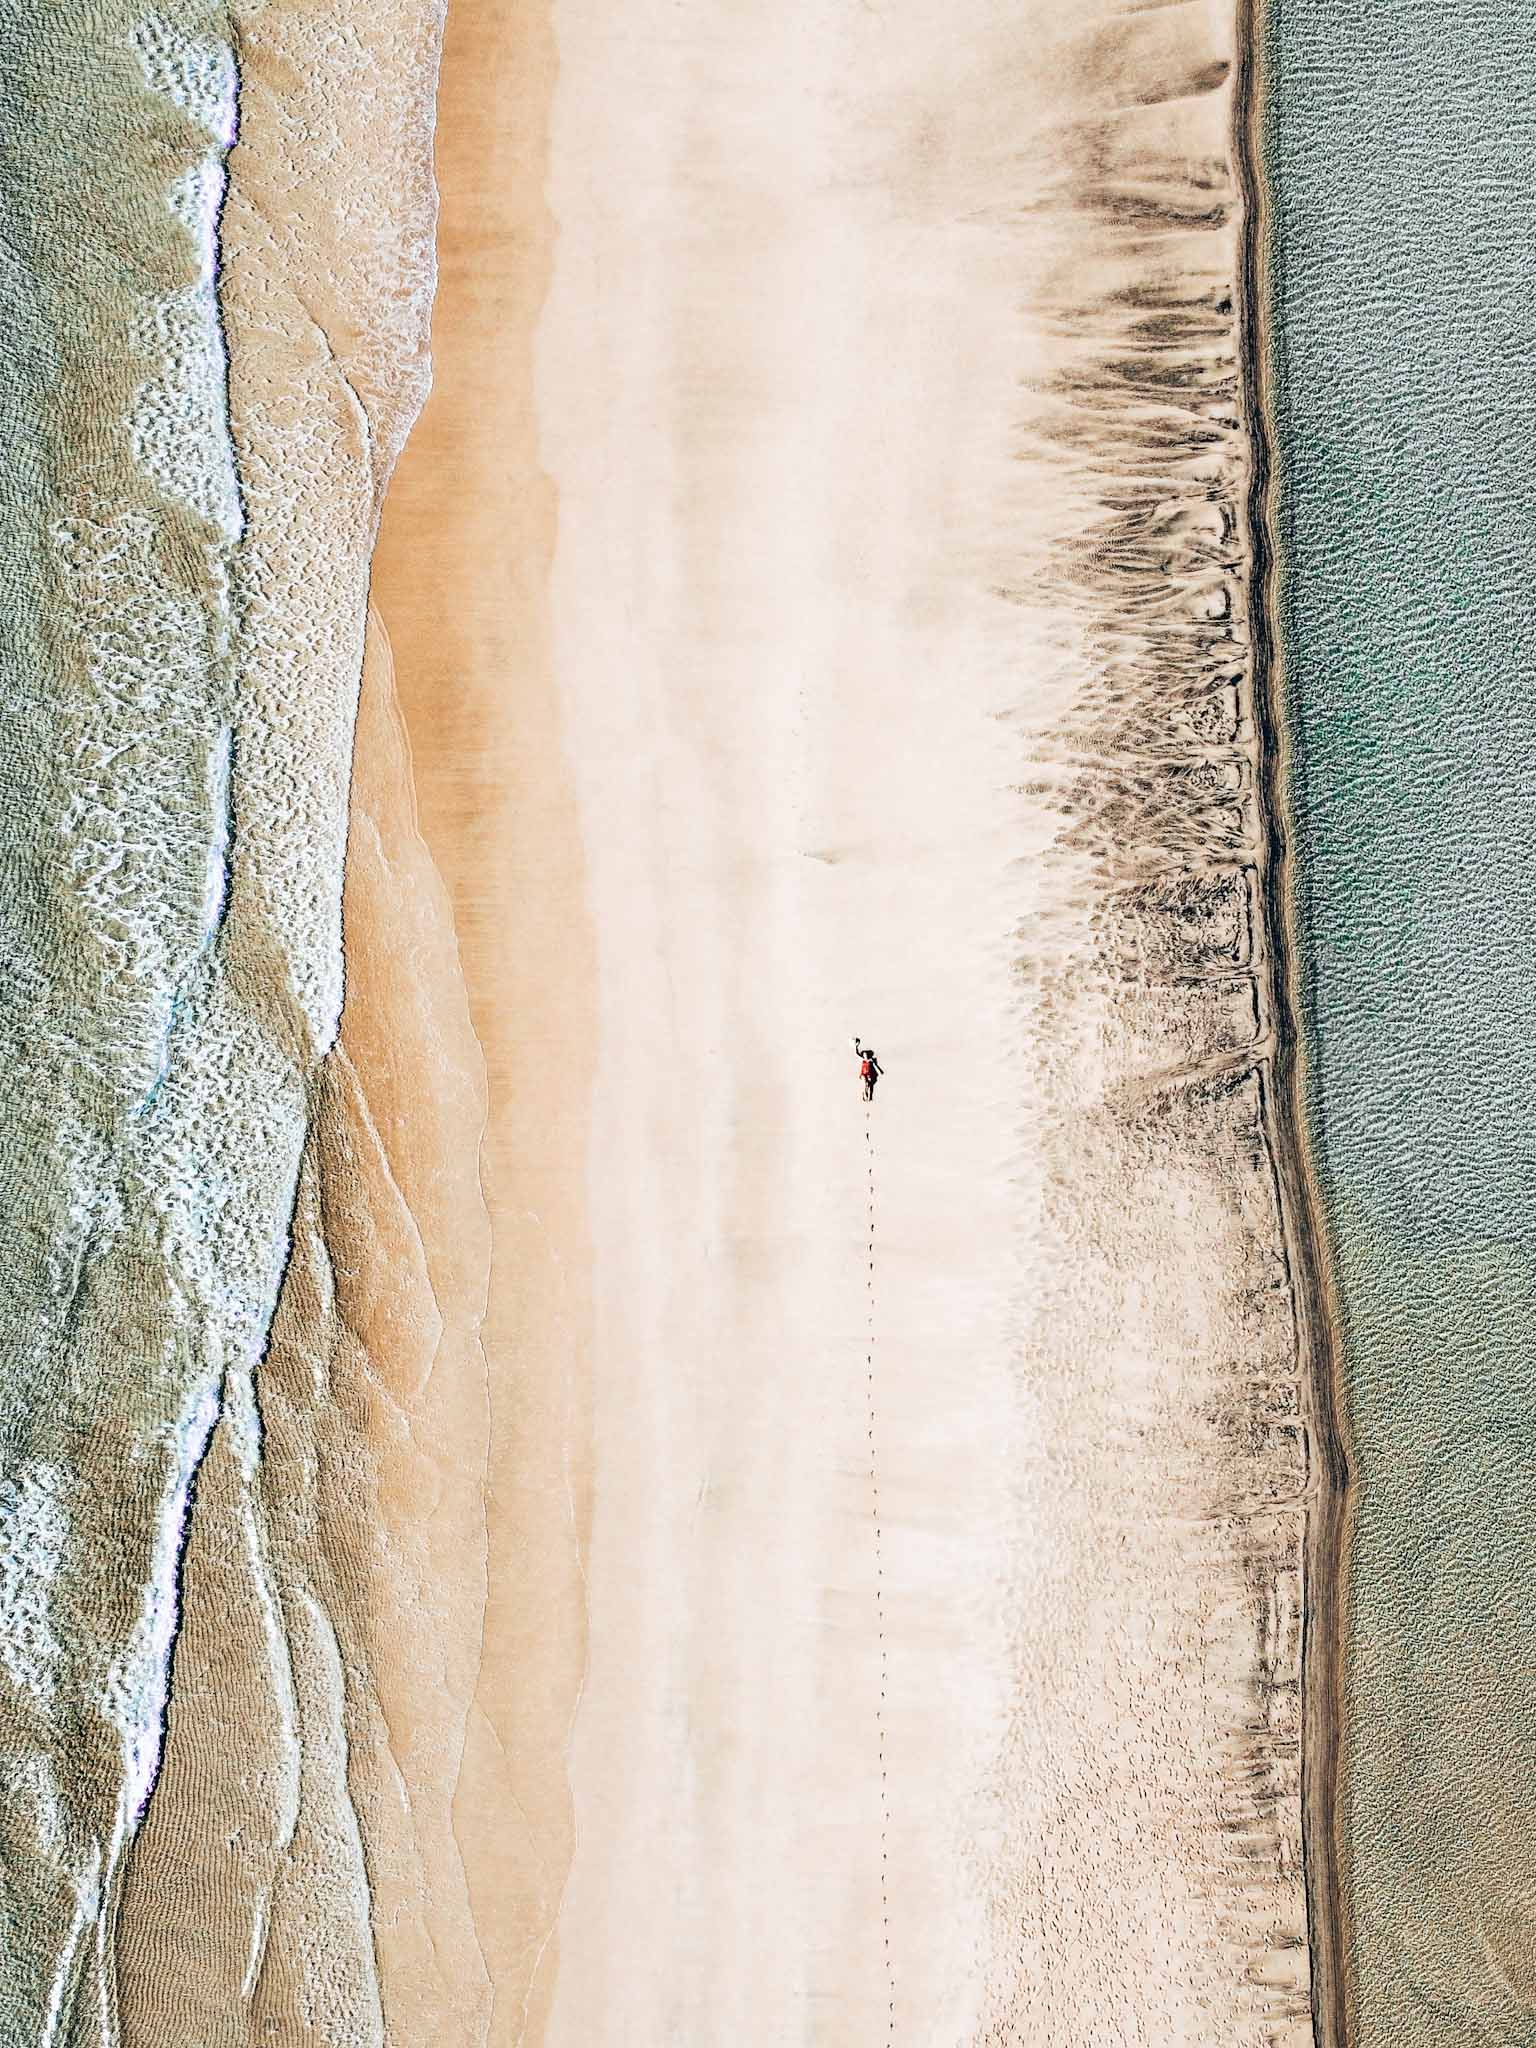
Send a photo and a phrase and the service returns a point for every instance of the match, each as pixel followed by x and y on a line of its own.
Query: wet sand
pixel 297 1871
pixel 460 584
pixel 301 1870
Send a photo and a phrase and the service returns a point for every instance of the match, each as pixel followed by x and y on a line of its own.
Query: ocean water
pixel 178 660
pixel 1401 147
pixel 155 1089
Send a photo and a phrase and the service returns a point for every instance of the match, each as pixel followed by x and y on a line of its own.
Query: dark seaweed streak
pixel 1300 1208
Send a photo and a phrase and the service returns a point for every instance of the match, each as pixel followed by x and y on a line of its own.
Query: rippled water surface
pixel 1402 141
pixel 155 1067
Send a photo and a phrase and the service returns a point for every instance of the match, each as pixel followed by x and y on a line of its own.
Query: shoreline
pixel 274 1872
pixel 1299 1197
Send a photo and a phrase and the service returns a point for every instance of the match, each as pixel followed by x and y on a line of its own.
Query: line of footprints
pixel 874 1490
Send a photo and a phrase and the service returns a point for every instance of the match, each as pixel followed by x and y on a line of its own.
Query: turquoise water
pixel 1401 150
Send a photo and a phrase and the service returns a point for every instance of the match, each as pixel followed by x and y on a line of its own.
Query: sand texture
pixel 296 1876
pixel 817 590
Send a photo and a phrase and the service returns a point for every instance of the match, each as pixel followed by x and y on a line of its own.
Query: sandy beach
pixel 815 610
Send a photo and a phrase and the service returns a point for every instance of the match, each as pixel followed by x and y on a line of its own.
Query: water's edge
pixel 1286 1090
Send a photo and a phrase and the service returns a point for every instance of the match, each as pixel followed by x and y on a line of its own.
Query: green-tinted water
pixel 1401 147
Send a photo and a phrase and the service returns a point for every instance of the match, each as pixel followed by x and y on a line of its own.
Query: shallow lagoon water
pixel 1402 166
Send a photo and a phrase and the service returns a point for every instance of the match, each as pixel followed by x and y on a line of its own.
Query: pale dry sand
pixel 887 676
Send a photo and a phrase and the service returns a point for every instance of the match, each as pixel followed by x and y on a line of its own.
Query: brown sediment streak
pixel 459 580
pixel 1301 1208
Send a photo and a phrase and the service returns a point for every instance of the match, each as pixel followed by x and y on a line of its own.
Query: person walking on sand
pixel 870 1069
